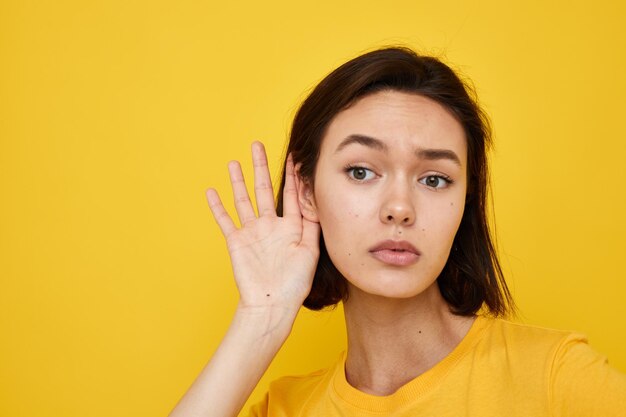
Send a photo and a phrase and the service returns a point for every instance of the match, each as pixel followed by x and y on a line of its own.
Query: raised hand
pixel 273 258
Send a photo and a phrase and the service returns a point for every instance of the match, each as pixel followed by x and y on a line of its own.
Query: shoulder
pixel 575 376
pixel 294 384
pixel 522 352
pixel 294 392
pixel 529 338
pixel 289 394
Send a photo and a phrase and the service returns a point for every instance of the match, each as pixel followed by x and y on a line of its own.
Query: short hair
pixel 472 277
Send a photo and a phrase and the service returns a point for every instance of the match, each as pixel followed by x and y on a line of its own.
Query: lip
pixel 395 252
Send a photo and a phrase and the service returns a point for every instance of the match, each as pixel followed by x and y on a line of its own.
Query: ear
pixel 306 197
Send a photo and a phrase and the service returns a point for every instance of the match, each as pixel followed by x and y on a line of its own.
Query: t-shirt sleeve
pixel 583 384
pixel 259 409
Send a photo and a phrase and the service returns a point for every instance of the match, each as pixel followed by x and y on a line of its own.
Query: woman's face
pixel 389 192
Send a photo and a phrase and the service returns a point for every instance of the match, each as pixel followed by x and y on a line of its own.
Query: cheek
pixel 342 218
pixel 454 213
pixel 440 223
pixel 342 209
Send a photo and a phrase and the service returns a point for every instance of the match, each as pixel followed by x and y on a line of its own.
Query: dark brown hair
pixel 472 276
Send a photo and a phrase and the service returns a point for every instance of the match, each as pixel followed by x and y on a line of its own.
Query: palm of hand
pixel 273 258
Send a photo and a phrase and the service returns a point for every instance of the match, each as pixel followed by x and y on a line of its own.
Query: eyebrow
pixel 377 144
pixel 368 141
pixel 435 154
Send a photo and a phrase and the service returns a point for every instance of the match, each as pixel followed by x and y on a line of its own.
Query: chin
pixel 392 287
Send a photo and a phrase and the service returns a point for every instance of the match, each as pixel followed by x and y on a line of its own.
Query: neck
pixel 392 341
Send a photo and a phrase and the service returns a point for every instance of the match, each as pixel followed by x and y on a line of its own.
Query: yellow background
pixel 115 116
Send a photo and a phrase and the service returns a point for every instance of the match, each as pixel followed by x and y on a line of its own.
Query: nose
pixel 398 208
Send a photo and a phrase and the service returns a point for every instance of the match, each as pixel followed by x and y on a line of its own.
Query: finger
pixel 290 192
pixel 221 216
pixel 262 182
pixel 240 193
pixel 311 234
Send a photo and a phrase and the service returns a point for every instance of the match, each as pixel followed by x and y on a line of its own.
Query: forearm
pixel 253 339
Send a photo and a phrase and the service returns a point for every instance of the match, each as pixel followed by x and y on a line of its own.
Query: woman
pixel 383 208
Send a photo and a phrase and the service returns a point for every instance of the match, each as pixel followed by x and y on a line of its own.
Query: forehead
pixel 402 120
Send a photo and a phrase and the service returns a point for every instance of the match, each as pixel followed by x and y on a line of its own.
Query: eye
pixel 359 173
pixel 436 181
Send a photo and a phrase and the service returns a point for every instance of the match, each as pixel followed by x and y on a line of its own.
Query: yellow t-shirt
pixel 500 369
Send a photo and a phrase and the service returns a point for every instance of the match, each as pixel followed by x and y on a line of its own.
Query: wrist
pixel 266 323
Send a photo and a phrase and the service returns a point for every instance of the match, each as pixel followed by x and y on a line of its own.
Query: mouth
pixel 397 253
